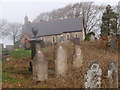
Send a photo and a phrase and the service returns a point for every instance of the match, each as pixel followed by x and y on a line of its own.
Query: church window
pixel 68 37
pixel 76 35
pixel 53 39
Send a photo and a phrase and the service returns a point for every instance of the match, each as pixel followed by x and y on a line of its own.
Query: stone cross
pixel 40 66
pixel 61 61
pixel 77 57
pixel 93 76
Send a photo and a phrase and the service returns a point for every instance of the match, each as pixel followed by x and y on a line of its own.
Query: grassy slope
pixel 19 53
pixel 16 69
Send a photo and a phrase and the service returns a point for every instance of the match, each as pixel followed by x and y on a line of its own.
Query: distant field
pixel 15 70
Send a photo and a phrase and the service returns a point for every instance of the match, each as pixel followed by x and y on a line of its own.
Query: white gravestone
pixel 93 76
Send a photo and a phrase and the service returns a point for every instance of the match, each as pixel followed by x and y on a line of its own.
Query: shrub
pixel 87 38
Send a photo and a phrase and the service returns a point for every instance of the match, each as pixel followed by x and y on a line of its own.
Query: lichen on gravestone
pixel 77 57
pixel 40 66
pixel 112 75
pixel 61 61
pixel 93 76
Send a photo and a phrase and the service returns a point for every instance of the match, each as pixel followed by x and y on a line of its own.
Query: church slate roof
pixel 54 27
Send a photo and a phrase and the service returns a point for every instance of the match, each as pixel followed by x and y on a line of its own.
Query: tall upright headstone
pixel 61 61
pixel 112 75
pixel 93 76
pixel 40 66
pixel 77 57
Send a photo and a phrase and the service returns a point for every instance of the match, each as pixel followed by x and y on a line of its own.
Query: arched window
pixel 68 37
pixel 26 40
pixel 53 39
pixel 76 35
pixel 43 38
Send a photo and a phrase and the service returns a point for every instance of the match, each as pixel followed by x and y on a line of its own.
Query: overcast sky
pixel 15 10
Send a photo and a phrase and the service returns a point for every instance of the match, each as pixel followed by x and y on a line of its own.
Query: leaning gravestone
pixel 93 76
pixel 61 61
pixel 40 66
pixel 77 57
pixel 112 75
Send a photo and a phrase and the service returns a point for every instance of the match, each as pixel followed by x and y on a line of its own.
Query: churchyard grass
pixel 16 68
pixel 19 53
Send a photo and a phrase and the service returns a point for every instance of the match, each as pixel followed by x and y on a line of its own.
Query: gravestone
pixel 61 61
pixel 112 43
pixel 93 76
pixel 40 66
pixel 77 57
pixel 92 37
pixel 9 47
pixel 75 40
pixel 112 75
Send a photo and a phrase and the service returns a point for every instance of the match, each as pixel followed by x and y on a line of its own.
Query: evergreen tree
pixel 109 22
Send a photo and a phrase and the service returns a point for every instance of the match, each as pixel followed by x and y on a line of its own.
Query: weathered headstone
pixel 112 43
pixel 93 76
pixel 92 37
pixel 61 61
pixel 77 57
pixel 112 75
pixel 40 66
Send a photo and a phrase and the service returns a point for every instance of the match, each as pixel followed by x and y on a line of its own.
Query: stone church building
pixel 54 30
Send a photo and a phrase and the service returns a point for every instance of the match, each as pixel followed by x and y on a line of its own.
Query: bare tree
pixel 90 13
pixel 15 31
pixel 4 25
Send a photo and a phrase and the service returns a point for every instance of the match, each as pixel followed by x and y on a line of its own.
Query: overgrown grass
pixel 15 72
pixel 8 78
pixel 19 53
pixel 8 68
